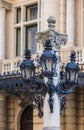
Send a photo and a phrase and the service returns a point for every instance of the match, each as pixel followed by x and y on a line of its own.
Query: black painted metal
pixel 48 54
pixel 72 67
pixel 33 91
pixel 27 66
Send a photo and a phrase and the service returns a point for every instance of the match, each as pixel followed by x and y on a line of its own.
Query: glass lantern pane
pixel 72 75
pixel 54 65
pixel 43 65
pixel 23 73
pixel 49 64
pixel 67 76
pixel 76 77
pixel 28 73
pixel 32 73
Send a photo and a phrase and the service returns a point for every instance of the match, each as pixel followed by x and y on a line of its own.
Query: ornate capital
pixel 57 39
pixel 6 5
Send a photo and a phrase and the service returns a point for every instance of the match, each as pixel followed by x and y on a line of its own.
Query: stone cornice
pixel 8 1
pixel 5 4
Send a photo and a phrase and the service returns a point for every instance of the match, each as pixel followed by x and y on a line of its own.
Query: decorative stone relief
pixel 4 4
pixel 57 39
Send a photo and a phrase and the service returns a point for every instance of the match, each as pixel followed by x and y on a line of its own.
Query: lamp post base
pixel 51 128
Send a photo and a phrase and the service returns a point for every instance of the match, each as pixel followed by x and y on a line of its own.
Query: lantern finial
pixel 48 45
pixel 27 54
pixel 73 56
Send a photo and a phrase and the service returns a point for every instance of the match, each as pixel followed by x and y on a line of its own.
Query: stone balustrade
pixel 65 56
pixel 11 65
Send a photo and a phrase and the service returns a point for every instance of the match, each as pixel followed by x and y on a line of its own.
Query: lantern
pixel 72 69
pixel 48 60
pixel 27 66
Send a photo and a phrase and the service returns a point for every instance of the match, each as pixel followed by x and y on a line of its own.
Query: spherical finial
pixel 51 22
pixel 51 19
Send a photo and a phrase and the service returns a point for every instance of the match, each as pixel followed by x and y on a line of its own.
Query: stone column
pixel 63 16
pixel 79 16
pixel 71 113
pixel 70 21
pixel 51 120
pixel 10 113
pixel 50 8
pixel 2 31
pixel 3 125
pixel 80 109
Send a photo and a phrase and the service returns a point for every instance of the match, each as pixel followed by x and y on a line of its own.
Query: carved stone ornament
pixel 57 39
pixel 6 5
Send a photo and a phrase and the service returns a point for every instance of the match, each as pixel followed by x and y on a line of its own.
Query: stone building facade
pixel 19 20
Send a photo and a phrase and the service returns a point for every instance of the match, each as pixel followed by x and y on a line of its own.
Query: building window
pixel 27 22
pixel 31 12
pixel 18 41
pixel 30 41
pixel 18 15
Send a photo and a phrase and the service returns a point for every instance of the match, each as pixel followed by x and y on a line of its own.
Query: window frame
pixel 24 23
pixel 17 44
pixel 28 41
pixel 17 15
pixel 28 13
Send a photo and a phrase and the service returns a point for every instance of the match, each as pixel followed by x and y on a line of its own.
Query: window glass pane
pixel 18 41
pixel 30 38
pixel 40 9
pixel 83 28
pixel 31 12
pixel 18 15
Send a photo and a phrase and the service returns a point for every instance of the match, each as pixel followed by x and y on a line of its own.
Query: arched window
pixel 26 121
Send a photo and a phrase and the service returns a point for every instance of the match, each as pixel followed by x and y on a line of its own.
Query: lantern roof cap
pixel 27 62
pixel 27 54
pixel 72 65
pixel 48 54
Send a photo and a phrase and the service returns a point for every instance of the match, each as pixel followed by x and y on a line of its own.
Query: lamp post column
pixel 52 119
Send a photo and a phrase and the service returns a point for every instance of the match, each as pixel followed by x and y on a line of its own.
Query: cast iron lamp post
pixel 49 95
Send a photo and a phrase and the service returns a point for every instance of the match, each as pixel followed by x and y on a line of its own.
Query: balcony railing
pixel 65 54
pixel 11 65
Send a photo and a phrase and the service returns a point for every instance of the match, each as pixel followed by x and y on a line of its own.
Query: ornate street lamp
pixel 42 85
pixel 48 80
pixel 48 60
pixel 72 70
pixel 27 67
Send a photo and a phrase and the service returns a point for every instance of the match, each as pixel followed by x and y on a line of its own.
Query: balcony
pixel 11 65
